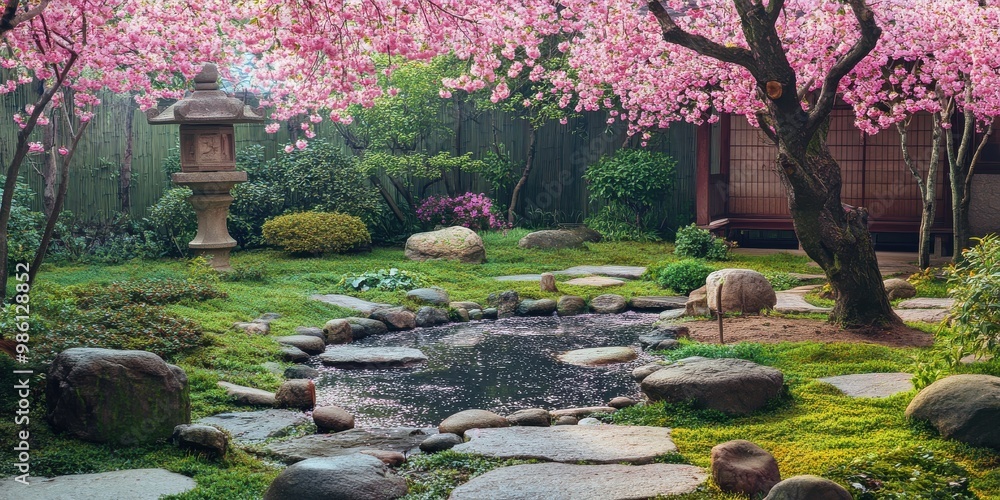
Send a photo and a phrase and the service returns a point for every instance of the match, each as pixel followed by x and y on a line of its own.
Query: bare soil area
pixel 770 330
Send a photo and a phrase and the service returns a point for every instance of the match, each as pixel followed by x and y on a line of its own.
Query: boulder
pixel 256 426
pixel 547 283
pixel 293 354
pixel 589 421
pixel 540 307
pixel 200 438
pixel 452 243
pixel 743 291
pixel 808 487
pixel 310 330
pixel 646 370
pixel 338 331
pixel 430 316
pixel 348 302
pixel 608 303
pixel 504 302
pixel 300 371
pixel 566 420
pixel 740 466
pixel 552 239
pixel 667 332
pixel 305 343
pixel 463 315
pixel 491 313
pixel 532 417
pixel 429 296
pixel 120 397
pixel 666 345
pixel 571 305
pixel 471 419
pixel 961 407
pixel 364 327
pixel 474 314
pixel 468 305
pixel 587 234
pixel 397 439
pixel 371 357
pixel 734 386
pixel 253 327
pixel 440 442
pixel 298 393
pixel 621 402
pixel 898 288
pixel 598 356
pixel 697 303
pixel 332 419
pixel 657 303
pixel 671 314
pixel 396 318
pixel 351 477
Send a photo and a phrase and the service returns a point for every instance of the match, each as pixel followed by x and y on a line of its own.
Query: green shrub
pixel 975 285
pixel 905 473
pixel 154 292
pixel 316 232
pixel 684 276
pixel 781 281
pixel 615 223
pixel 24 233
pixel 698 243
pixel 392 279
pixel 173 220
pixel 253 204
pixel 632 178
pixel 323 179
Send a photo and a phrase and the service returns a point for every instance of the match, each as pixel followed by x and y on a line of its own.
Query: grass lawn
pixel 815 430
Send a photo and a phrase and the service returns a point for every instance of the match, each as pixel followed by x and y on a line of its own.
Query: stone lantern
pixel 208 159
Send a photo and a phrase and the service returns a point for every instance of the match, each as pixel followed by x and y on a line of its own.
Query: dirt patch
pixel 771 330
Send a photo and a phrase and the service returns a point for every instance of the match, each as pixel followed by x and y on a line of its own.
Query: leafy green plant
pixel 154 291
pixel 322 178
pixel 698 243
pixel 781 281
pixel 253 204
pixel 24 228
pixel 389 280
pixel 173 219
pixel 634 178
pixel 904 473
pixel 614 222
pixel 684 276
pixel 316 232
pixel 975 284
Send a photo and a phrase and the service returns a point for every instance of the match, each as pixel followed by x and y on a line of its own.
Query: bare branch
pixel 674 34
pixel 10 18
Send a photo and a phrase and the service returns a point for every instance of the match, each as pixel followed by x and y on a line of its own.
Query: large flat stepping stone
pixel 925 315
pixel 598 356
pixel 348 302
pixel 256 426
pixel 657 303
pixel 595 281
pixel 520 277
pixel 926 303
pixel 371 357
pixel 248 395
pixel 135 484
pixel 605 444
pixel 399 439
pixel 582 482
pixel 871 385
pixel 969 359
pixel 626 272
pixel 791 301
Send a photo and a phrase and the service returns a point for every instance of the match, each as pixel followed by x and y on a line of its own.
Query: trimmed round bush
pixel 316 232
pixel 684 276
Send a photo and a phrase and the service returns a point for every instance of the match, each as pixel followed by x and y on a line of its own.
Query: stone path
pixel 348 302
pixel 136 484
pixel 256 426
pixel 975 358
pixel 925 315
pixel 793 301
pixel 624 272
pixel 400 439
pixel 582 482
pixel 605 444
pixel 596 281
pixel 656 303
pixel 871 385
pixel 371 357
pixel 926 303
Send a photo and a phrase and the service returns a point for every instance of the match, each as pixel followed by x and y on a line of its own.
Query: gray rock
pixel 697 303
pixel 604 444
pixel 475 314
pixel 201 438
pixel 338 331
pixel 624 272
pixel 897 288
pixel 581 412
pixel 926 303
pixel 531 417
pixel 396 318
pixel 465 304
pixel 551 239
pixel 471 419
pixel 306 343
pixel 453 243
pixel 598 356
pixel 429 296
pixel 566 420
pixel 608 303
pixel 645 370
pixel 300 371
pixel 671 314
pixel 404 440
pixel 133 484
pixel 541 307
pixel 571 305
pixel 390 458
pixel 440 442
pixel 657 303
pixel 871 385
pixel 463 315
pixel 364 327
pixel 490 313
pixel 666 345
pixel 932 316
pixel 547 283
pixel 587 234
pixel 332 419
pixel 111 396
pixel 961 407
pixel 665 332
pixel 256 426
pixel 743 291
pixel 808 487
pixel 742 467
pixel 310 330
pixel 253 328
pixel 505 303
pixel 582 482
pixel 353 477
pixel 621 402
pixel 733 386
pixel 348 302
pixel 371 357
pixel 298 393
pixel 431 316
pixel 293 354
pixel 272 367
pixel 248 395
pixel 595 281
pixel 589 421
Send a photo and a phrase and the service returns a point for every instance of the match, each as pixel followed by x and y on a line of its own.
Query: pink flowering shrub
pixel 471 210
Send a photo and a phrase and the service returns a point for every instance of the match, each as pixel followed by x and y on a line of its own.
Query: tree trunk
pixel 125 169
pixel 50 167
pixel 528 164
pixel 928 186
pixel 387 196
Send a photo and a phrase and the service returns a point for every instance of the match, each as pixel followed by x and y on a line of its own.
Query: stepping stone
pixel 399 439
pixel 135 484
pixel 520 277
pixel 598 356
pixel 605 444
pixel 582 482
pixel 871 385
pixel 672 314
pixel 256 426
pixel 248 395
pixel 580 412
pixel 348 302
pixel 925 315
pixel 371 357
pixel 806 277
pixel 791 301
pixel 926 303
pixel 306 343
pixel 975 358
pixel 626 272
pixel 656 304
pixel 596 281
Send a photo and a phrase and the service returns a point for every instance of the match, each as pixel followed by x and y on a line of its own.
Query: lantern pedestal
pixel 211 200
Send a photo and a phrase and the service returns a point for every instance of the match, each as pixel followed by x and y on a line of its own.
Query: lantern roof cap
pixel 207 105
